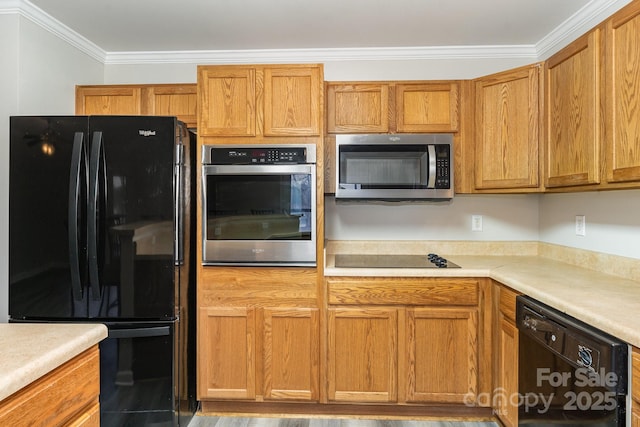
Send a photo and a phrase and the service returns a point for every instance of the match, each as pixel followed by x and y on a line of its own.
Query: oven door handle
pixel 256 169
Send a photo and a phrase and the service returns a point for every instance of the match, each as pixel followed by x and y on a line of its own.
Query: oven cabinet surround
pixel 508 124
pixel 66 396
pixel 260 100
pixel 506 361
pixel 258 335
pixel 149 100
pixel 390 107
pixel 408 340
pixel 635 387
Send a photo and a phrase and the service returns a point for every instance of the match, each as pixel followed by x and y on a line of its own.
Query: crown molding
pixel 36 15
pixel 322 55
pixel 592 14
pixel 583 20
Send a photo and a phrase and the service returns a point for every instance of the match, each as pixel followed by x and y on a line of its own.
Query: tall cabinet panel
pixel 573 114
pixel 227 101
pixel 621 95
pixel 508 122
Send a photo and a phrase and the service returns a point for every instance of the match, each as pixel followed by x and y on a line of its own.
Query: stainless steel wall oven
pixel 259 205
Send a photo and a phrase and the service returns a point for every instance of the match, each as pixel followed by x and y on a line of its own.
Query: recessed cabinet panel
pixel 226 359
pixel 291 353
pixel 358 108
pixel 431 107
pixel 179 101
pixel 622 101
pixel 442 357
pixel 363 354
pixel 507 123
pixel 109 101
pixel 573 114
pixel 227 101
pixel 292 101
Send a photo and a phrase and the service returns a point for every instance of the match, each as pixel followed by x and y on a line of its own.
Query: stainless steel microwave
pixel 394 167
pixel 259 205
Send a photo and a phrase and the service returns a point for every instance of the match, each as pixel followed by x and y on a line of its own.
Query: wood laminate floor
pixel 213 421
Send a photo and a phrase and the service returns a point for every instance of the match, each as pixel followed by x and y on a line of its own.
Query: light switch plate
pixel 581 225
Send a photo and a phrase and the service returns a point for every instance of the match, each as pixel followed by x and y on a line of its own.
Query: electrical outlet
pixel 476 222
pixel 581 225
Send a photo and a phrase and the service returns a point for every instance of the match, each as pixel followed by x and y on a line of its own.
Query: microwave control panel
pixel 443 161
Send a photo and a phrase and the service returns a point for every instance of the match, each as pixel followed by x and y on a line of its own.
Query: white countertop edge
pixel 31 350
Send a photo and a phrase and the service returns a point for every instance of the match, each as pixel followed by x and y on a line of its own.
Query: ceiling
pixel 235 25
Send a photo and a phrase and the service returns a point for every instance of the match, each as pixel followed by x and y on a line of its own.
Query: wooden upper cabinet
pixel 572 113
pixel 621 95
pixel 292 101
pixel 109 100
pixel 148 100
pixel 227 100
pixel 260 100
pixel 172 100
pixel 357 108
pixel 507 126
pixel 427 107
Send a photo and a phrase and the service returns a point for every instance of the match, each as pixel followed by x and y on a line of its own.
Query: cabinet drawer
pixel 508 303
pixel 57 398
pixel 405 291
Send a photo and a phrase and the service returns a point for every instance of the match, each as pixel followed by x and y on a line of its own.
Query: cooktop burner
pixel 393 261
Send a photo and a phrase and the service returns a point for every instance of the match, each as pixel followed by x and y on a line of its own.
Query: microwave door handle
pixel 432 166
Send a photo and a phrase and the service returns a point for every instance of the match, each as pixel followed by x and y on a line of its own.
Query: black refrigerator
pixel 102 229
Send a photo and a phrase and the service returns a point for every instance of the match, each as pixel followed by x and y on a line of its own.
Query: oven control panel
pixel 255 155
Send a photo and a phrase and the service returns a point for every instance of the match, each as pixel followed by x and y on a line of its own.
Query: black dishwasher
pixel 569 373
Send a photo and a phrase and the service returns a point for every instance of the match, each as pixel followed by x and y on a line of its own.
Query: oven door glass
pixel 259 211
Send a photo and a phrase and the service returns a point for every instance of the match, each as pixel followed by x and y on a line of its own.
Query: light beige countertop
pixel 567 279
pixel 29 351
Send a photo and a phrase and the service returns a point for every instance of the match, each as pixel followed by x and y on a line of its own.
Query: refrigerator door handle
pixel 75 182
pixel 95 160
pixel 158 331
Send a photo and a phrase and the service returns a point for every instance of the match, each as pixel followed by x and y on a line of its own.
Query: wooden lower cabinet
pixel 441 355
pixel 506 378
pixel 635 387
pixel 243 347
pixel 407 340
pixel 363 354
pixel 67 396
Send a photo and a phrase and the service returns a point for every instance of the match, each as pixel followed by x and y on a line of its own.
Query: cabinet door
pixel 428 107
pixel 635 386
pixel 507 408
pixel 227 101
pixel 118 100
pixel 622 102
pixel 226 353
pixel 358 108
pixel 292 103
pixel 442 355
pixel 507 123
pixel 172 100
pixel 573 114
pixel 291 353
pixel 363 354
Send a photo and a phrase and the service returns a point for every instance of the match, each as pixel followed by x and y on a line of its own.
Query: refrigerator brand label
pixel 147 132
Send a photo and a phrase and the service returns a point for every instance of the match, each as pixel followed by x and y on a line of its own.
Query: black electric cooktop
pixel 393 261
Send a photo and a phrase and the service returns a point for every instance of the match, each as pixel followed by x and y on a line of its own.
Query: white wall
pixel 504 217
pixel 9 25
pixel 612 218
pixel 38 76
